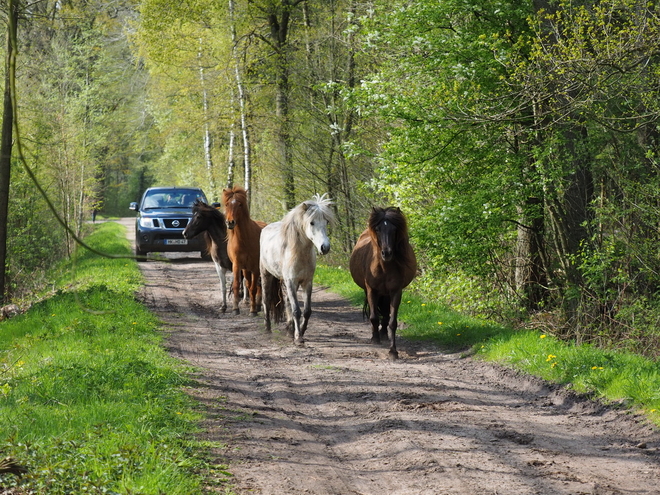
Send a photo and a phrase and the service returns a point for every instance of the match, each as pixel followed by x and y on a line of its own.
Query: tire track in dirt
pixel 336 417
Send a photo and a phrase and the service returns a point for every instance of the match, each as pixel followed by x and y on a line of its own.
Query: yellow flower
pixel 423 304
pixel 439 323
pixel 551 357
pixel 543 336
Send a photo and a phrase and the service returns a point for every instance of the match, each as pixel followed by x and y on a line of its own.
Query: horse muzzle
pixel 231 224
pixel 386 254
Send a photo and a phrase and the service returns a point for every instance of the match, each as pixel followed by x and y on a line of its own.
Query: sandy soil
pixel 337 417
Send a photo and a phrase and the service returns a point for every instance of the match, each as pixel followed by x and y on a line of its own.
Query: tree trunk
pixel 530 275
pixel 6 140
pixel 208 141
pixel 278 32
pixel 242 105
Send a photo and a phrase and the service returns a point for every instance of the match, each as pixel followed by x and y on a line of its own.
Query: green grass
pixel 90 401
pixel 617 377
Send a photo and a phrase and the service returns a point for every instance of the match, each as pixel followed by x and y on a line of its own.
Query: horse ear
pixel 305 206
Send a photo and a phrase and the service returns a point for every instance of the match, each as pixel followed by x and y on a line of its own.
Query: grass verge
pixel 620 378
pixel 90 402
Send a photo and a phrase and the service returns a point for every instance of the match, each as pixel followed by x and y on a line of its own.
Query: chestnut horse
pixel 383 263
pixel 243 246
pixel 211 222
pixel 288 262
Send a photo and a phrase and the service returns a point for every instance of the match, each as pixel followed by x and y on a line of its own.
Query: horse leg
pixel 267 281
pixel 245 287
pixel 259 291
pixel 395 301
pixel 223 285
pixel 254 293
pixel 236 288
pixel 290 327
pixel 384 310
pixel 307 307
pixel 294 311
pixel 372 302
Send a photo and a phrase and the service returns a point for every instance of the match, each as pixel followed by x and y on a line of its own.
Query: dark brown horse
pixel 243 246
pixel 383 263
pixel 210 221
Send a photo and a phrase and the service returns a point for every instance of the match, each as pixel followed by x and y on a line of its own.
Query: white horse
pixel 287 262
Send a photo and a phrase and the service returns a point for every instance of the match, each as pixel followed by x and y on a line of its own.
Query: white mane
pixel 320 207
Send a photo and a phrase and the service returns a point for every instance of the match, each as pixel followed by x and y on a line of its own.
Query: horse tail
pixel 276 300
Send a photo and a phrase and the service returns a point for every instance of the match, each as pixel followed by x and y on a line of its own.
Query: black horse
pixel 211 222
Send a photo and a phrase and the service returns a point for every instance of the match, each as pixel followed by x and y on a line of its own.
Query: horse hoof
pixel 375 340
pixel 253 313
pixel 299 342
pixel 223 310
pixel 237 311
pixel 393 355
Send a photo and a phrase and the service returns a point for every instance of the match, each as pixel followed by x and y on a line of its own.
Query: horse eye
pixel 311 223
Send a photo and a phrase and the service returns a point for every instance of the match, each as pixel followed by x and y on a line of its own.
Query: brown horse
pixel 243 246
pixel 383 263
pixel 210 221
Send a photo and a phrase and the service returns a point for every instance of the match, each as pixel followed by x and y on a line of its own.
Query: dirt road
pixel 336 417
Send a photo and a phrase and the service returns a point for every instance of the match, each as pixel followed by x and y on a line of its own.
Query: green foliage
pixel 35 240
pixel 90 400
pixel 522 145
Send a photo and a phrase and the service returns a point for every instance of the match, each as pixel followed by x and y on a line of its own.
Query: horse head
pixel 204 218
pixel 388 228
pixel 196 223
pixel 236 205
pixel 317 215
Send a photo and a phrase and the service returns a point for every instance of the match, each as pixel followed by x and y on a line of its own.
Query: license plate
pixel 176 242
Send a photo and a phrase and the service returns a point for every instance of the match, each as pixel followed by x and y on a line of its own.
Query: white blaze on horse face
pixel 317 232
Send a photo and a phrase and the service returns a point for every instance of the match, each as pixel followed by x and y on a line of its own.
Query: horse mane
pixel 396 217
pixel 216 215
pixel 201 207
pixel 307 211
